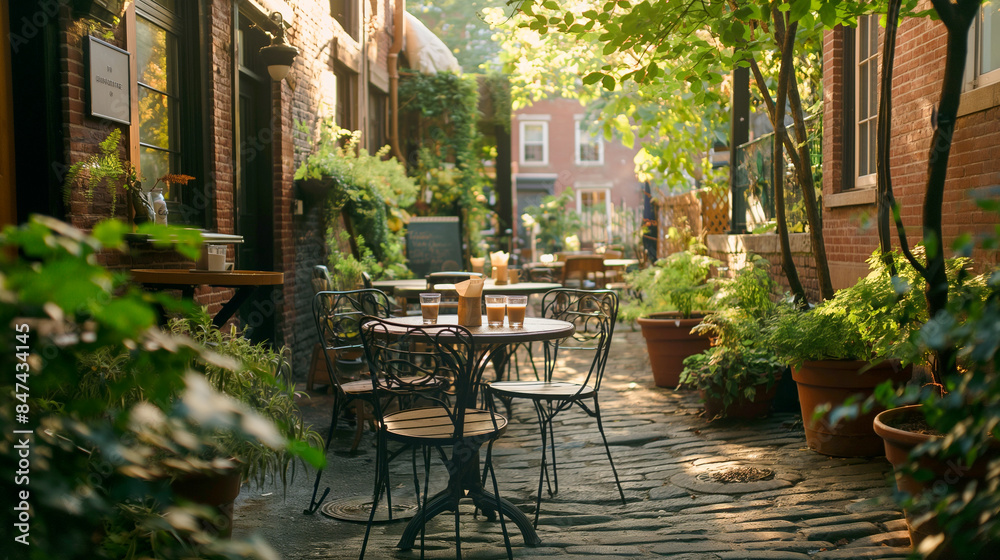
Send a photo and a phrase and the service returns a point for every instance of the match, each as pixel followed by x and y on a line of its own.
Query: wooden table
pixel 245 282
pixel 489 341
pixel 610 263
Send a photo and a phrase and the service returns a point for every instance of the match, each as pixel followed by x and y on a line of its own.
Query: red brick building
pixel 851 66
pixel 201 103
pixel 552 150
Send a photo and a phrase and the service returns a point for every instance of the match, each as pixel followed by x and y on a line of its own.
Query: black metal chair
pixel 337 316
pixel 397 355
pixel 594 313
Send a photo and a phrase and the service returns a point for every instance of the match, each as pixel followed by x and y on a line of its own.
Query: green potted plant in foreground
pixel 848 345
pixel 672 296
pixel 737 376
pixel 93 489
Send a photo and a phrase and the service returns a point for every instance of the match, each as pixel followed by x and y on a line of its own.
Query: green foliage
pixel 873 320
pixel 732 373
pixel 372 193
pixel 105 168
pixel 93 487
pixel 444 110
pixel 555 220
pixel 739 360
pixel 676 283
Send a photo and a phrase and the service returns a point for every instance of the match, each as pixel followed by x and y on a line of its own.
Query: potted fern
pixel 848 345
pixel 673 294
pixel 737 376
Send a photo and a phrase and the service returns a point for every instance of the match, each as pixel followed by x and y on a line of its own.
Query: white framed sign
pixel 109 81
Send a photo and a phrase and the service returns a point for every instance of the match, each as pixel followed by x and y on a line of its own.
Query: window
pixel 594 206
pixel 866 100
pixel 534 142
pixel 589 147
pixel 377 111
pixel 983 66
pixel 344 11
pixel 168 103
pixel 345 98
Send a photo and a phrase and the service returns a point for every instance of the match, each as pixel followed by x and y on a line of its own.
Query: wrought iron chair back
pixel 593 313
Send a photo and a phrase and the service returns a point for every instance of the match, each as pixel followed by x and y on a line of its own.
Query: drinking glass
pixel 516 306
pixel 496 306
pixel 430 304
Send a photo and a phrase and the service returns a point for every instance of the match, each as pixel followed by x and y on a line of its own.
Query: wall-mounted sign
pixel 109 81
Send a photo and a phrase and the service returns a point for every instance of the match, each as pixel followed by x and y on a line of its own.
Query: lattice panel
pixel 714 212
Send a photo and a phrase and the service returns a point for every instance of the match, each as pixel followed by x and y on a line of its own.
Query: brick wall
pixel 732 250
pixel 973 167
pixel 298 239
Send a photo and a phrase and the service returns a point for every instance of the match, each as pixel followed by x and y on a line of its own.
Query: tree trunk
pixel 885 201
pixel 957 18
pixel 778 159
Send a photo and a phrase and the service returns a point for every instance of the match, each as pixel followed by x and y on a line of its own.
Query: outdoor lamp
pixel 278 56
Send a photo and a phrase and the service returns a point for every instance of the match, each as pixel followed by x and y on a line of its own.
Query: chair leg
pixel 496 494
pixel 313 502
pixel 552 447
pixel 543 474
pixel 600 428
pixel 381 470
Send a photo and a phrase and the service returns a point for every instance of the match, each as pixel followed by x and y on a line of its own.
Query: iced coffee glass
pixel 496 307
pixel 430 304
pixel 516 306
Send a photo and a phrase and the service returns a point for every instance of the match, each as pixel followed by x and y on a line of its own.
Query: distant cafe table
pixel 404 290
pixel 244 281
pixel 488 341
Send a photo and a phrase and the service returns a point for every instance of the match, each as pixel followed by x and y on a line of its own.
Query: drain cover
pixel 742 474
pixel 359 508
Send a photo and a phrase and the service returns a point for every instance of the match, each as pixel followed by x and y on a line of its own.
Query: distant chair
pixel 594 313
pixel 584 272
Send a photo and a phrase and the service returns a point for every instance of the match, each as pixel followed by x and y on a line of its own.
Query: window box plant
pixel 738 375
pixel 672 295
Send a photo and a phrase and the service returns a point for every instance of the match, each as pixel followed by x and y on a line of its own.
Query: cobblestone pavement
pixel 813 507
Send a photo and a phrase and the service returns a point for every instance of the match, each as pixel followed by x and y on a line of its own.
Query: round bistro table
pixel 488 342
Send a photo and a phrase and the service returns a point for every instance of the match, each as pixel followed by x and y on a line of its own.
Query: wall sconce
pixel 278 56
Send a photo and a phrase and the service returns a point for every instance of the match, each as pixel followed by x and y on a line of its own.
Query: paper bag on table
pixel 470 296
pixel 499 262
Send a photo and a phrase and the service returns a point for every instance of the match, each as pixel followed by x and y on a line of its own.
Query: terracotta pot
pixel 741 408
pixel 214 490
pixel 946 474
pixel 833 381
pixel 669 341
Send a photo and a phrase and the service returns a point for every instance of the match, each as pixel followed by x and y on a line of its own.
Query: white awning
pixel 425 51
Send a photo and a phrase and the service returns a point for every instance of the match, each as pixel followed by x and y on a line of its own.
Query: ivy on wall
pixel 439 120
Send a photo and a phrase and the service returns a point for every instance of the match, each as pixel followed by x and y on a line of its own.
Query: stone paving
pixel 813 507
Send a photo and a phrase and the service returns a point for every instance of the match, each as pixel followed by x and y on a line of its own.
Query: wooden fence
pixel 704 211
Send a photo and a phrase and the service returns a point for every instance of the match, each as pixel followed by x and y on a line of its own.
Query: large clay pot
pixel 953 476
pixel 214 490
pixel 669 341
pixel 832 382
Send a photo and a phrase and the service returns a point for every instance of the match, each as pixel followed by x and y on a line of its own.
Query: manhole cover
pixel 742 474
pixel 359 508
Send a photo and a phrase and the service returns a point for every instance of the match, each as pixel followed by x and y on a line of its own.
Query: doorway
pixel 254 197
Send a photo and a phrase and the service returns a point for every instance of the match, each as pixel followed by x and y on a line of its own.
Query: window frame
pixel 860 65
pixel 974 77
pixel 578 143
pixel 522 141
pixel 190 207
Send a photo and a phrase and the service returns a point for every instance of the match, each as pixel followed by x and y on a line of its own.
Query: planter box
pixel 669 341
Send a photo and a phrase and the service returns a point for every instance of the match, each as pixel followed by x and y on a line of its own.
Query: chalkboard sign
pixel 433 244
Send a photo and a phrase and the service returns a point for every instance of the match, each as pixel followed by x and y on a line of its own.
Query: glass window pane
pixel 873 90
pixel 533 133
pixel 991 36
pixel 533 153
pixel 863 149
pixel 872 148
pixel 155 116
pixel 155 56
pixel 155 163
pixel 863 37
pixel 863 94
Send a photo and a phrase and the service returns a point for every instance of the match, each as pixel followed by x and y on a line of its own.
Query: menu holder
pixel 470 307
